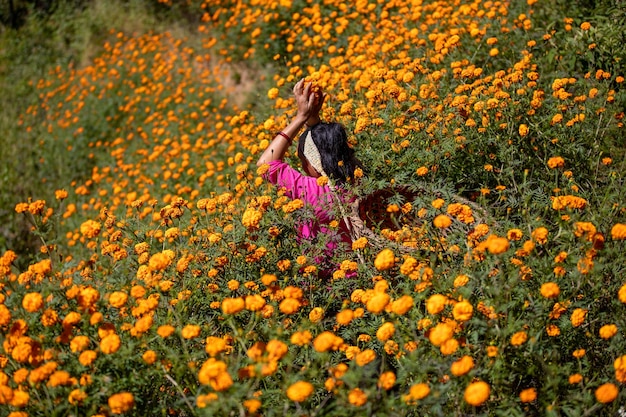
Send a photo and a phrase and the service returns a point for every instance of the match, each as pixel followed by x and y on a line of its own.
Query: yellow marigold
pixel 165 330
pixel 378 302
pixel 618 231
pixel 90 229
pixel 439 334
pixel 215 373
pixel 421 171
pixel 540 235
pixel 477 393
pixel 357 397
pixel 289 306
pixel 575 379
pixel 462 365
pixel 203 401
pixel 149 357
pixel 436 303
pixel 254 302
pixel 606 393
pixel 300 391
pixel 519 338
pixel 578 317
pixel 316 314
pixel 385 331
pixel 344 317
pixel 110 343
pixel 386 380
pixel 365 357
pixel 272 93
pixel 79 343
pixel 528 395
pixel 497 245
pixel 608 331
pixel 251 218
pixel 190 331
pixel 326 341
pixel 523 130
pixel 550 290
pixel 232 305
pixel 556 162
pixel 449 347
pixel 461 280
pixel 402 305
pixel 442 221
pixel 417 392
pixel 76 396
pixel 118 299
pixel 121 402
pixel 385 260
pixel 301 338
pixel 32 302
pixel 87 357
pixel 462 311
pixel 585 26
pixel 621 295
pixel 579 353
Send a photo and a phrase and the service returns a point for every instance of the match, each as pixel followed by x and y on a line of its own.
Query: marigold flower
pixel 118 299
pixel 190 331
pixel 436 303
pixel 233 305
pixel 385 260
pixel 76 396
pixel 578 317
pixel 386 380
pixel 540 235
pixel 402 305
pixel 416 392
pixel 462 311
pixel 79 343
pixel 621 295
pixel 300 391
pixel 378 302
pixel 203 401
pixel 462 366
pixel 121 402
pixel 477 393
pixel 32 302
pixel 357 397
pixel 585 25
pixel 316 314
pixel 289 306
pixel 606 393
pixel 326 341
pixel 550 290
pixel 618 231
pixel 215 374
pixel 301 338
pixel 87 357
pixel 442 221
pixel 519 338
pixel 608 331
pixel 365 357
pixel 528 395
pixel 575 379
pixel 385 331
pixel 165 330
pixel 556 162
pixel 439 334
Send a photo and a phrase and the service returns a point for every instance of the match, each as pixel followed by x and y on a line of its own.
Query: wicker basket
pixel 369 216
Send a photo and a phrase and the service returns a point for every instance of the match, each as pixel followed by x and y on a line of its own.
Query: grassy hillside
pixel 167 277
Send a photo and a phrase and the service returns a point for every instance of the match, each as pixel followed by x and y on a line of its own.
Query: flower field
pixel 169 279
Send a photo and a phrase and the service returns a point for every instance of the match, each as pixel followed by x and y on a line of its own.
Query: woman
pixel 324 152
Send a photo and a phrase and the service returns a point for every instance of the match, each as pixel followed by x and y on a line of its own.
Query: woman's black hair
pixel 337 156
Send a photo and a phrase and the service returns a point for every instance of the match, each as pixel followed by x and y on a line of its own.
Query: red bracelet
pixel 283 134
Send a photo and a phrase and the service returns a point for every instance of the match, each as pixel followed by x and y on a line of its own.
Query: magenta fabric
pixel 305 188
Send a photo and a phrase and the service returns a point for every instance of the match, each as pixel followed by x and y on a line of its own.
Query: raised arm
pixel 309 105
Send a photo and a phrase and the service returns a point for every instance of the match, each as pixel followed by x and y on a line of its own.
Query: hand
pixel 309 102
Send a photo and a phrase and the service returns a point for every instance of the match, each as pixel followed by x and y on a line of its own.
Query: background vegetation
pixel 147 268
